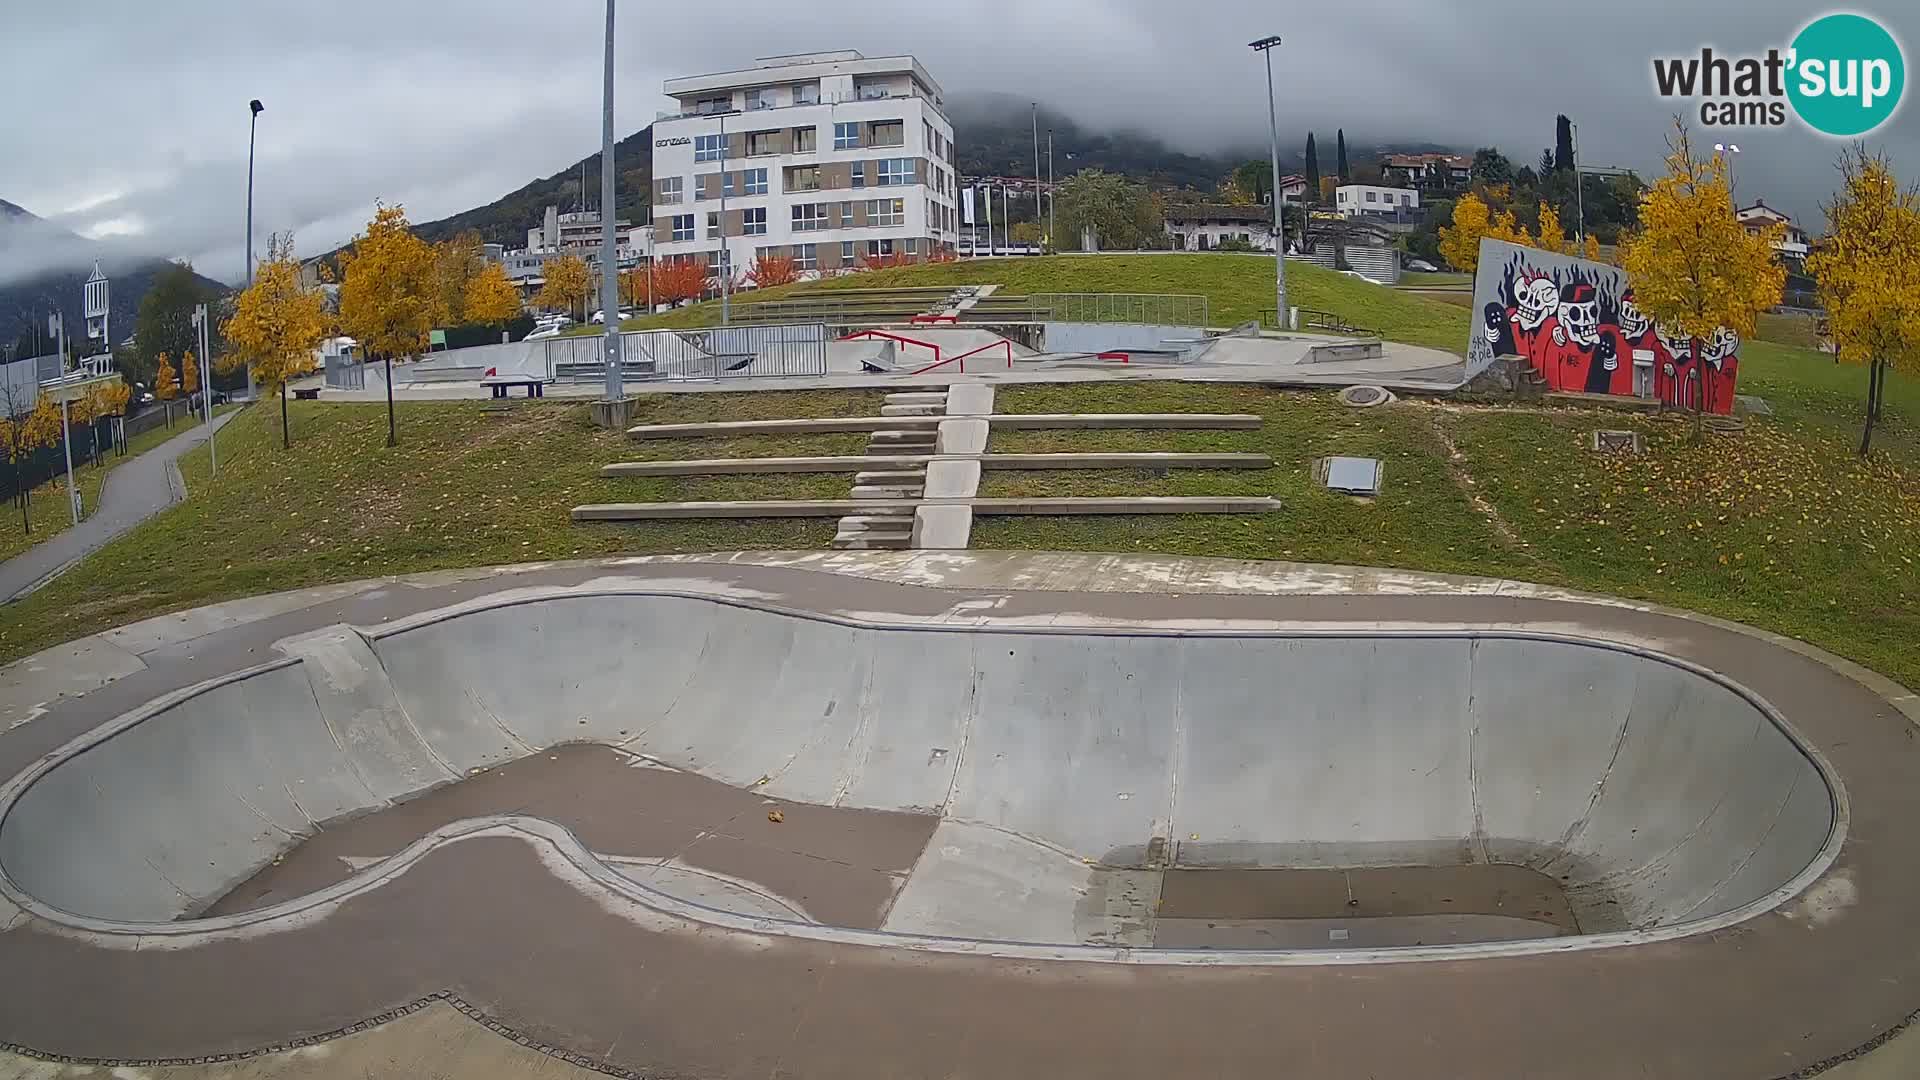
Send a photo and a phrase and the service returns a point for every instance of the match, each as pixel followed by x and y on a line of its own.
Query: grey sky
pixel 126 119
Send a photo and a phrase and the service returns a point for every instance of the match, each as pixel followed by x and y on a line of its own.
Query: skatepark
pixel 889 806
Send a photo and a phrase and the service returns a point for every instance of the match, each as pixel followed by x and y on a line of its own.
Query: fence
pixel 1151 309
pixel 345 373
pixel 771 351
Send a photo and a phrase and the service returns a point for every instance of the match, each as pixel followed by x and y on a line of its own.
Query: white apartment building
pixel 829 158
pixel 1356 200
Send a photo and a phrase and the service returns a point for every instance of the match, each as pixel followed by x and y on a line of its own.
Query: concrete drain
pixel 1366 397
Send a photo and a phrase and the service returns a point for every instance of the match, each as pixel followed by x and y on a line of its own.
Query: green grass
pixel 1415 279
pixel 1237 287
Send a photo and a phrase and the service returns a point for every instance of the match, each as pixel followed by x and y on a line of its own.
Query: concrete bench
pixel 306 393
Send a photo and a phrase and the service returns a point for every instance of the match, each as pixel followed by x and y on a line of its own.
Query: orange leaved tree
pixel 770 270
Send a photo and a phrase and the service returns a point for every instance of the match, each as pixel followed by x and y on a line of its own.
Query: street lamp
pixel 1728 148
pixel 609 244
pixel 1265 47
pixel 254 108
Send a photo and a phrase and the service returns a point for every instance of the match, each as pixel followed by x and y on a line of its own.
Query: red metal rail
pixel 871 334
pixel 962 358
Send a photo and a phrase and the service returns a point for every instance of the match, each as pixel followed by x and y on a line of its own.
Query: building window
pixel 895 171
pixel 668 189
pixel 760 143
pixel 913 245
pixel 886 211
pixel 889 133
pixel 754 221
pixel 804 139
pixel 683 227
pixel 713 224
pixel 809 217
pixel 759 99
pixel 1405 199
pixel 846 215
pixel 846 136
pixel 806 93
pixel 756 181
pixel 713 105
pixel 859 174
pixel 932 144
pixel 806 257
pixel 726 185
pixel 708 147
pixel 803 178
pixel 846 253
pixel 879 248
pixel 1370 196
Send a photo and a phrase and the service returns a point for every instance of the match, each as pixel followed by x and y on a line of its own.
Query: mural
pixel 1576 323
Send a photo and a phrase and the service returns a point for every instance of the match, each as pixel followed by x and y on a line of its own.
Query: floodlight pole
pixel 609 244
pixel 1265 47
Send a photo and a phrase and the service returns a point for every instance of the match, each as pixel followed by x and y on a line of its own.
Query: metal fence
pixel 1153 309
pixel 770 351
pixel 345 373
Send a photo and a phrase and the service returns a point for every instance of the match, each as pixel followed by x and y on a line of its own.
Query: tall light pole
pixel 1053 195
pixel 1265 47
pixel 609 253
pixel 726 264
pixel 254 108
pixel 1036 167
pixel 1579 185
pixel 1728 149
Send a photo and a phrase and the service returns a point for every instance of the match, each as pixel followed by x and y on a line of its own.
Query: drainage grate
pixel 1616 442
pixel 1351 475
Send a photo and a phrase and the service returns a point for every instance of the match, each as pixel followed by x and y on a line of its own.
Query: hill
pixel 993 136
pixel 507 219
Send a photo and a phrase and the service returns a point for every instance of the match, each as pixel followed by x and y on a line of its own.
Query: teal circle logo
pixel 1847 76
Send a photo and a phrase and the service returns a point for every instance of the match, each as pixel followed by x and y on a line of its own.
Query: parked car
pixel 1422 266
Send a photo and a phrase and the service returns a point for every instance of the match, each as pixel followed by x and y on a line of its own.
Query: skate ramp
pixel 1066 763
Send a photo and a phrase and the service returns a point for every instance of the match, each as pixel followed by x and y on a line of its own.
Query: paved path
pixel 137 489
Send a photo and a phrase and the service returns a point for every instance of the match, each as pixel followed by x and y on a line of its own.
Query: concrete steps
pixel 894 477
pixel 912 410
pixel 902 442
pixel 878 491
pixel 885 468
pixel 864 532
pixel 937 397
pixel 904 508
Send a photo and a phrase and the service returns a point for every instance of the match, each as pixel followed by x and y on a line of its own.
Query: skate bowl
pixel 1172 793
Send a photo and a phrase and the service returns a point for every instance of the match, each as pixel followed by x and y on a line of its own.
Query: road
pixel 135 491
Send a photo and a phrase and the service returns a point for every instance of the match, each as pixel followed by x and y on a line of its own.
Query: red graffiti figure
pixel 1578 358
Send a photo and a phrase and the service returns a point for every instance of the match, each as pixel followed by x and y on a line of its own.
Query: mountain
pixel 507 219
pixel 43 266
pixel 993 136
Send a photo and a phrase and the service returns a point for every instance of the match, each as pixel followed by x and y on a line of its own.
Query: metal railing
pixel 773 351
pixel 1314 319
pixel 1152 309
pixel 345 373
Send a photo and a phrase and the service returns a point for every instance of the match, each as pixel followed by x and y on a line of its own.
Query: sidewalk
pixel 134 491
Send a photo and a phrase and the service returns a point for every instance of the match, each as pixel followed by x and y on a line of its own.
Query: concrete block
pixel 614 414
pixel 969 399
pixel 961 437
pixel 952 480
pixel 946 527
pixel 1126 505
pixel 876 491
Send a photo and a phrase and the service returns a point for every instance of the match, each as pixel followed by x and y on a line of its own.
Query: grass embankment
pixel 48 507
pixel 1237 288
pixel 465 487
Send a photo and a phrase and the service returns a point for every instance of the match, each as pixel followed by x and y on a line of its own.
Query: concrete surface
pixel 820 508
pixel 941 528
pixel 870 462
pixel 137 488
pixel 910 424
pixel 1791 992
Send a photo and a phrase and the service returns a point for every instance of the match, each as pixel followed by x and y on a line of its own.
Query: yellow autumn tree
pixel 569 282
pixel 491 299
pixel 189 374
pixel 1592 248
pixel 21 436
pixel 1868 274
pixel 276 324
pixel 390 293
pixel 1695 267
pixel 1473 221
pixel 1551 235
pixel 166 383
pixel 457 261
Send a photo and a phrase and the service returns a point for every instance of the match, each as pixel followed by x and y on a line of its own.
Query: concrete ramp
pixel 1069 761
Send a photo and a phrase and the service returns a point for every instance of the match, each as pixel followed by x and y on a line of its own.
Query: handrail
pixel 871 334
pixel 962 358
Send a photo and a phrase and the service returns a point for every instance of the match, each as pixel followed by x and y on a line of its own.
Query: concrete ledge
pixel 962 437
pixel 614 414
pixel 1011 421
pixel 1167 421
pixel 782 508
pixel 1133 505
pixel 943 527
pixel 818 425
pixel 989 462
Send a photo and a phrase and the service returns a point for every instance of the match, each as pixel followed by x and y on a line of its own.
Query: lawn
pixel 1237 287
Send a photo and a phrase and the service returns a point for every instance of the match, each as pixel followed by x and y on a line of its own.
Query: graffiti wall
pixel 1576 323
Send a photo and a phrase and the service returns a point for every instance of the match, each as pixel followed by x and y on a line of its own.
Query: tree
pixel 1867 274
pixel 1695 267
pixel 1313 168
pixel 770 270
pixel 189 374
pixel 1474 220
pixel 1340 159
pixel 276 324
pixel 166 384
pixel 1255 178
pixel 1562 143
pixel 1592 248
pixel 679 281
pixel 457 261
pixel 1490 166
pixel 164 322
pixel 391 293
pixel 1026 232
pixel 1551 235
pixel 1546 163
pixel 491 299
pixel 1122 214
pixel 569 282
pixel 24 430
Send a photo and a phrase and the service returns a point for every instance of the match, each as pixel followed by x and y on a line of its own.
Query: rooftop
pixel 798 67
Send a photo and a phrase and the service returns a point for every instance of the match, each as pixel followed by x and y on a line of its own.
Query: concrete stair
pixel 866 530
pixel 912 410
pixel 875 531
pixel 902 442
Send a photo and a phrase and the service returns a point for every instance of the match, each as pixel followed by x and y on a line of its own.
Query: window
pixel 931 141
pixel 846 215
pixel 913 246
pixel 886 211
pixel 889 133
pixel 806 93
pixel 878 248
pixel 1370 196
pixel 727 186
pixel 846 253
pixel 809 217
pixel 1405 199
pixel 846 136
pixel 713 224
pixel 859 174
pixel 804 139
pixel 668 189
pixel 683 227
pixel 708 147
pixel 895 171
pixel 713 104
pixel 762 253
pixel 756 181
pixel 759 99
pixel 760 143
pixel 806 257
pixel 803 178
pixel 754 221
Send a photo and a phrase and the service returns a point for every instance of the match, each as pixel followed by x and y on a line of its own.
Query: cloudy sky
pixel 127 119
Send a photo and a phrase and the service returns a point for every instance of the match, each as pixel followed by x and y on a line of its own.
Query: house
pixel 1793 246
pixel 1293 187
pixel 1203 226
pixel 1427 172
pixel 1371 200
pixel 1354 243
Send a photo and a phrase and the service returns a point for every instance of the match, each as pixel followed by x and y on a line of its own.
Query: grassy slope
pixel 1237 287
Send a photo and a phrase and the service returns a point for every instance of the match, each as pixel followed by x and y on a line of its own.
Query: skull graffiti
pixel 1723 344
pixel 1536 301
pixel 1633 321
pixel 1579 313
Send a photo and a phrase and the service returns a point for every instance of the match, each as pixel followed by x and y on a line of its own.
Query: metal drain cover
pixel 1353 475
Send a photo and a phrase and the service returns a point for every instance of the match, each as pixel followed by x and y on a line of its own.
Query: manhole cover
pixel 1616 442
pixel 1362 397
pixel 1352 475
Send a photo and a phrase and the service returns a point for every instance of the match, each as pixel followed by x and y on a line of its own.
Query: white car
pixel 550 330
